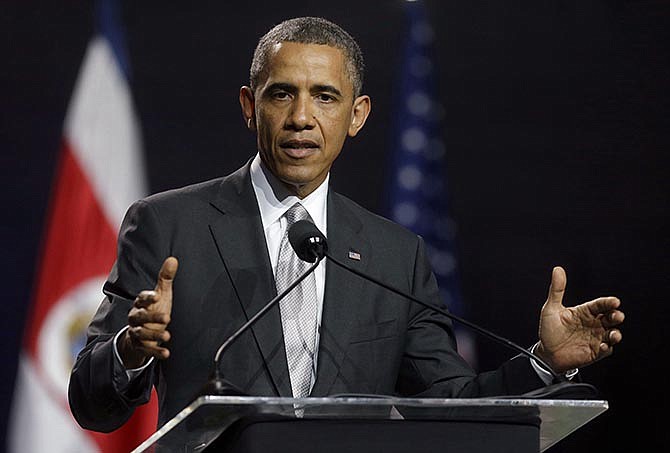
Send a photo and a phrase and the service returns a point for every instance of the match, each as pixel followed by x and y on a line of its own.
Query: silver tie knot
pixel 295 213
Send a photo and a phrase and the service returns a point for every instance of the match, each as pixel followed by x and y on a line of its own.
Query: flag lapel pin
pixel 354 255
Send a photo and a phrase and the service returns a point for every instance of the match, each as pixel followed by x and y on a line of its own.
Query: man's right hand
pixel 148 320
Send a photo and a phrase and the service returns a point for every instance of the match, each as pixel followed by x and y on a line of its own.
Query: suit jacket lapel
pixel 240 240
pixel 342 292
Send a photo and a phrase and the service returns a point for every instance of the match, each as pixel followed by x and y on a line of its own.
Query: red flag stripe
pixel 78 245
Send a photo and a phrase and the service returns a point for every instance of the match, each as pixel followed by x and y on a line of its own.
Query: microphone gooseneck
pixel 313 251
pixel 262 311
pixel 454 317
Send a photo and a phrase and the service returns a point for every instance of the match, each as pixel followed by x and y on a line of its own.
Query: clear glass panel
pixel 199 424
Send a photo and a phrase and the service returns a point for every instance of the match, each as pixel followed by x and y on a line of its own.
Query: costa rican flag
pixel 100 173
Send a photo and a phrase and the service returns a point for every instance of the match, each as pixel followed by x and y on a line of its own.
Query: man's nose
pixel 301 115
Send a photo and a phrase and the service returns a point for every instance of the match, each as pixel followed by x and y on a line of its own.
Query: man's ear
pixel 359 114
pixel 248 104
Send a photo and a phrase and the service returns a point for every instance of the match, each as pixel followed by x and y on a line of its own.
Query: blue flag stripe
pixel 418 192
pixel 108 25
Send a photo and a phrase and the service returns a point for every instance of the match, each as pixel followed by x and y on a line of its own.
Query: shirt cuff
pixel 545 375
pixel 132 373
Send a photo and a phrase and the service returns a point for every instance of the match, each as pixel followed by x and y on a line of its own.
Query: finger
pixel 613 337
pixel 166 274
pixel 154 351
pixel 613 318
pixel 606 346
pixel 604 351
pixel 557 287
pixel 603 305
pixel 145 299
pixel 140 335
pixel 142 316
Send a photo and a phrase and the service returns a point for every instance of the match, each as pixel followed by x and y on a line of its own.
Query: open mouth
pixel 299 148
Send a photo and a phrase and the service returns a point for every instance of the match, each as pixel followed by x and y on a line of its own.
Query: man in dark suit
pixel 303 100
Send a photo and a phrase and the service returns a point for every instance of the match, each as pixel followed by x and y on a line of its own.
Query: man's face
pixel 302 111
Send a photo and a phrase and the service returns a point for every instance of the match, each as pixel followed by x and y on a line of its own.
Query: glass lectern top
pixel 200 423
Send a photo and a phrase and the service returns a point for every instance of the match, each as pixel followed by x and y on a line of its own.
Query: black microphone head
pixel 308 242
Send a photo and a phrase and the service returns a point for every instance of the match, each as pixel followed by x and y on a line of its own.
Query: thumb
pixel 166 274
pixel 557 287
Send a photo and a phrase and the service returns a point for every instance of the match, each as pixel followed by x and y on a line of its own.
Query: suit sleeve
pixel 99 400
pixel 431 365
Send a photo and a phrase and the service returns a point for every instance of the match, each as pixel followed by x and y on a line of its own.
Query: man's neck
pixel 283 190
pixel 280 190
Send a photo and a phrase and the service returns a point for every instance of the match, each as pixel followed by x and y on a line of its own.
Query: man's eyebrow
pixel 283 86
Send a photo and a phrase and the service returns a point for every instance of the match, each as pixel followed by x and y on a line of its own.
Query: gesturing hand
pixel 572 337
pixel 148 320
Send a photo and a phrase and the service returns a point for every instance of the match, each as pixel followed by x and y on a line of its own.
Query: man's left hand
pixel 573 337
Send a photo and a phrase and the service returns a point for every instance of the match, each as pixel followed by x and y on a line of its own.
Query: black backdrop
pixel 556 130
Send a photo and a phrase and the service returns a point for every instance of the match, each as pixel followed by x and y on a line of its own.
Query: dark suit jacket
pixel 372 341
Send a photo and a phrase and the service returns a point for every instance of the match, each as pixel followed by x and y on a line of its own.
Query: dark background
pixel 557 134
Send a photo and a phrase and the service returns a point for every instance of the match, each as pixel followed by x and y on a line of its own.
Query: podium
pixel 229 424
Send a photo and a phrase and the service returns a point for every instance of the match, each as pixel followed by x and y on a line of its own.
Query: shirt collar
pixel 272 208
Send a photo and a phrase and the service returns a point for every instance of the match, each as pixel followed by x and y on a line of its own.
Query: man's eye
pixel 325 97
pixel 280 95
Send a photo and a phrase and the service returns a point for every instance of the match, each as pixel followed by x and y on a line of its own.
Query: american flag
pixel 418 196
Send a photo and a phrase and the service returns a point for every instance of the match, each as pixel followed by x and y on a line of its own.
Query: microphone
pixel 308 239
pixel 312 250
pixel 308 242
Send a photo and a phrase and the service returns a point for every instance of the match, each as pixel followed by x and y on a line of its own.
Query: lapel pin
pixel 354 255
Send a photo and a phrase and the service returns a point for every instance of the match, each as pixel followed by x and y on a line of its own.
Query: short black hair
pixel 310 30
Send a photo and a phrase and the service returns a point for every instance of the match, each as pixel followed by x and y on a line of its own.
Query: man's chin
pixel 300 184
